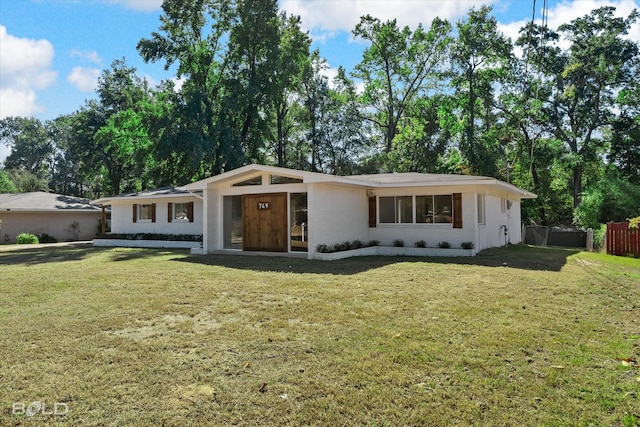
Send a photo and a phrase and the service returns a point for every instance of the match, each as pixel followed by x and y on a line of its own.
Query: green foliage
pixel 344 246
pixel 609 199
pixel 25 181
pixel 153 236
pixel 421 244
pixel 398 243
pixel 27 239
pixel 634 222
pixel 6 185
pixel 467 245
pixel 444 245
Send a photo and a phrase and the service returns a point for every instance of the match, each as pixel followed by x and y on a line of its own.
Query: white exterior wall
pixel 337 214
pixel 55 224
pixel 491 234
pixel 432 234
pixel 122 217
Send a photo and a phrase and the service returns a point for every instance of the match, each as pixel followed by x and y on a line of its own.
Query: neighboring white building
pixel 272 209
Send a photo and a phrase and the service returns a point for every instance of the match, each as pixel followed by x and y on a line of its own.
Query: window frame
pixel 482 209
pixel 385 210
pixel 173 209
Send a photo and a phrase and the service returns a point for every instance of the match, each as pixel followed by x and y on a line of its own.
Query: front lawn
pixel 518 336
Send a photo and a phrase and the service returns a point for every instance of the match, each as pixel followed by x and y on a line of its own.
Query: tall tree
pixel 397 68
pixel 599 63
pixel 481 57
pixel 193 35
pixel 32 147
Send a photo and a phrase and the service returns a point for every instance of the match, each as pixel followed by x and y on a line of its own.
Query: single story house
pixel 65 218
pixel 273 209
pixel 163 211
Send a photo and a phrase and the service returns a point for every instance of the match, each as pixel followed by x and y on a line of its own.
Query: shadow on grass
pixel 516 256
pixel 42 254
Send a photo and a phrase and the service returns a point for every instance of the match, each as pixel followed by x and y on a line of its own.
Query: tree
pixel 6 185
pixel 193 35
pixel 398 67
pixel 481 57
pixel 31 145
pixel 599 63
pixel 292 65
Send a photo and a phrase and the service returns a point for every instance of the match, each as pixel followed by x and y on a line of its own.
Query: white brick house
pixel 271 209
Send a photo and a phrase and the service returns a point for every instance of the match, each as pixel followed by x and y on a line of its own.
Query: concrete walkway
pixel 9 248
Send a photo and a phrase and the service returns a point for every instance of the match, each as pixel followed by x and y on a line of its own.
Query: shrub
pixel 357 244
pixel 467 245
pixel 421 244
pixel 599 236
pixel 444 245
pixel 398 243
pixel 27 239
pixel 45 238
pixel 344 246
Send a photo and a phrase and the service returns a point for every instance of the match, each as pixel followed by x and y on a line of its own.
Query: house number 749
pixel 263 205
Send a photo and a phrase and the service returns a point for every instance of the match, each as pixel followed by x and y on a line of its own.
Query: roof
pixel 40 201
pixel 386 180
pixel 149 194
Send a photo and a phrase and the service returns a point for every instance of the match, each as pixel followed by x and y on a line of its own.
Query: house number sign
pixel 263 206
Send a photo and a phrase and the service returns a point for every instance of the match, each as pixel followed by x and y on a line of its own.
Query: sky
pixel 53 51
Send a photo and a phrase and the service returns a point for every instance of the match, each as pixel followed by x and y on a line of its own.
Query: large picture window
pixel 396 210
pixel 432 209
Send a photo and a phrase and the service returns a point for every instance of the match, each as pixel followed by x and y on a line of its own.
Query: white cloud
pixel 25 66
pixel 83 78
pixel 143 5
pixel 344 15
pixel 567 11
pixel 91 56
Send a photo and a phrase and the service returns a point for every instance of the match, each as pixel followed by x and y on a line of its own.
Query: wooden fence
pixel 621 240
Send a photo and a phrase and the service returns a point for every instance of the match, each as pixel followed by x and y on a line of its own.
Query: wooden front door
pixel 264 224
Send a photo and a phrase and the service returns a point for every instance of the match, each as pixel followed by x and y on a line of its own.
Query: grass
pixel 518 336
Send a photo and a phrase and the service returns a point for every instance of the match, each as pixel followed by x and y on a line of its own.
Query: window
pixel 481 210
pixel 144 213
pixel 396 210
pixel 277 179
pixel 434 209
pixel 251 181
pixel 180 212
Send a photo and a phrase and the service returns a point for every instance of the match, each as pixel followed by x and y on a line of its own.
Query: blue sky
pixel 52 51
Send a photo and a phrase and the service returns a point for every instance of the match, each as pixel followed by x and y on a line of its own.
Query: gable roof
pixel 385 180
pixel 40 201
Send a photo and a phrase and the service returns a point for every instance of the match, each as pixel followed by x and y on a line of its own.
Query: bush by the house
pixel 398 243
pixel 344 246
pixel 154 236
pixel 45 238
pixel 444 245
pixel 467 245
pixel 27 239
pixel 421 244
